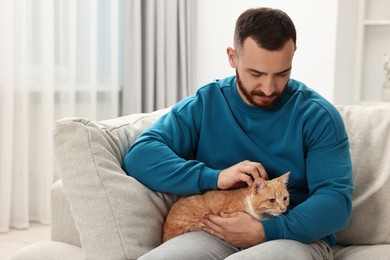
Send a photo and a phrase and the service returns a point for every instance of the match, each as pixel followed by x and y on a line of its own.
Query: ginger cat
pixel 262 200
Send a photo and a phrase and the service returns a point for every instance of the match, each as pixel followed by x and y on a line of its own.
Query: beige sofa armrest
pixel 63 228
pixel 65 238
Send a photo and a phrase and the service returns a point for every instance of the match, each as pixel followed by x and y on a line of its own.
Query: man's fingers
pixel 255 169
pixel 242 173
pixel 262 172
pixel 246 178
pixel 211 227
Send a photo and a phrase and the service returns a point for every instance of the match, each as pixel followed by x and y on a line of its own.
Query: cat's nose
pixel 283 209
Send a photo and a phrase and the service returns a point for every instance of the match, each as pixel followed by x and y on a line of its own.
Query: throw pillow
pixel 117 217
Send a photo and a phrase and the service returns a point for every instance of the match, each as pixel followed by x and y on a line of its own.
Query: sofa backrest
pixel 368 129
pixel 125 130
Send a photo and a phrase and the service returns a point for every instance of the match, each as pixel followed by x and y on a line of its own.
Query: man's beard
pixel 256 92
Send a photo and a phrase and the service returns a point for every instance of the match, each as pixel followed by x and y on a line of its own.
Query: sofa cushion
pixel 117 217
pixel 48 250
pixel 363 252
pixel 369 134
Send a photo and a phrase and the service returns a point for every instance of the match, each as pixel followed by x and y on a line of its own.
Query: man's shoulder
pixel 205 93
pixel 217 85
pixel 316 107
pixel 312 99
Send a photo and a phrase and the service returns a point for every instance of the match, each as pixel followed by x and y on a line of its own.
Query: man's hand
pixel 241 173
pixel 238 229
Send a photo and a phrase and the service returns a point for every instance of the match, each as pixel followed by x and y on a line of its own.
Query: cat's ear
pixel 258 185
pixel 284 178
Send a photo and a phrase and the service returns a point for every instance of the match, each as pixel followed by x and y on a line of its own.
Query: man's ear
pixel 232 57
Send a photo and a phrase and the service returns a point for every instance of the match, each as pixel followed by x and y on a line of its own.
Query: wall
pixel 315 21
pixel 345 64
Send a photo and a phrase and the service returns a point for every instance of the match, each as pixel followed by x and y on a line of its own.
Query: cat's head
pixel 269 197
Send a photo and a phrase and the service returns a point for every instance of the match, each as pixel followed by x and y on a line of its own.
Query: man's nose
pixel 268 86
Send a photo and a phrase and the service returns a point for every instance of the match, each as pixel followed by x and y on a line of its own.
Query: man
pixel 256 124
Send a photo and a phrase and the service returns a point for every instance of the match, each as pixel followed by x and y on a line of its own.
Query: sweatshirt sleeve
pixel 329 178
pixel 161 156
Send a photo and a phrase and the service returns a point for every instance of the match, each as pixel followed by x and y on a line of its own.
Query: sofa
pixel 98 212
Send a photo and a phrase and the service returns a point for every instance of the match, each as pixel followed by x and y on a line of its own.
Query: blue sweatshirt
pixel 185 150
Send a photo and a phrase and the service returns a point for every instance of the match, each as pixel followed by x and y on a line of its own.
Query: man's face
pixel 261 74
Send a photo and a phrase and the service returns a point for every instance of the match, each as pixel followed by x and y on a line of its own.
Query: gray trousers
pixel 200 245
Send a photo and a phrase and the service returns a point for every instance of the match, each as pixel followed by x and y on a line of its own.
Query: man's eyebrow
pixel 260 72
pixel 255 71
pixel 284 71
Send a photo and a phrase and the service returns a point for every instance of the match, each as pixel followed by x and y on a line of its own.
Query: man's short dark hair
pixel 269 28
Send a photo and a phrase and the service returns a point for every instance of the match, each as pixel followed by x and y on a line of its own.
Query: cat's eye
pixel 285 198
pixel 272 200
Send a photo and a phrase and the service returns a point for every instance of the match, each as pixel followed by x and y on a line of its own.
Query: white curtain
pixel 159 53
pixel 58 58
